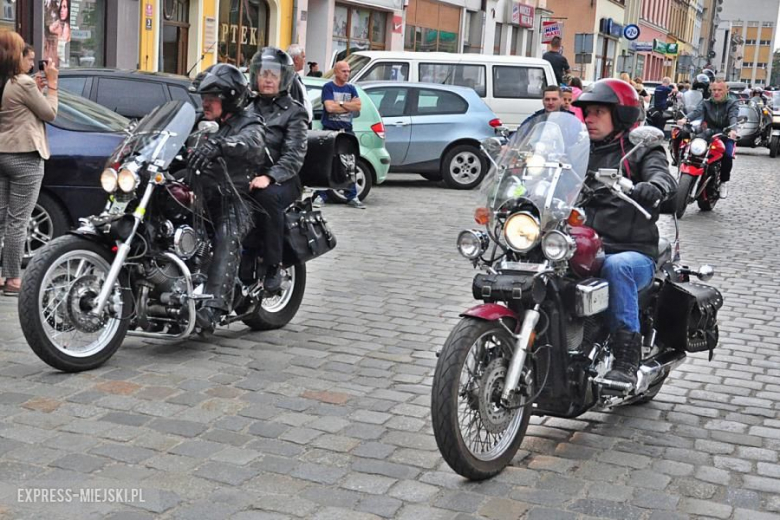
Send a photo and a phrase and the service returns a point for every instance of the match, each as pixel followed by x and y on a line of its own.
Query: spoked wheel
pixel 275 311
pixel 58 293
pixel 476 434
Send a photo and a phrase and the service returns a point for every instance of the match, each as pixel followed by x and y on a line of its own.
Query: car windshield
pixel 545 165
pixel 356 64
pixel 159 136
pixel 82 115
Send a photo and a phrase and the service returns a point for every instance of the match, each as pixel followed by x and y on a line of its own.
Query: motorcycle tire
pixel 712 191
pixel 448 396
pixel 277 311
pixel 46 333
pixel 774 145
pixel 683 193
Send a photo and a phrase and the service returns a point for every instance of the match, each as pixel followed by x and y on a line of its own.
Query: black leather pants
pixel 267 237
pixel 224 263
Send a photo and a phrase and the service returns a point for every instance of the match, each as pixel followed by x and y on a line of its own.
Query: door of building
pixel 175 36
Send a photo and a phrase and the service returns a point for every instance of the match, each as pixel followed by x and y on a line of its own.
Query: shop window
pixel 387 71
pixel 391 102
pixel 243 30
pixel 423 39
pixel 518 82
pixel 451 74
pixel 358 29
pixel 74 33
pixel 435 102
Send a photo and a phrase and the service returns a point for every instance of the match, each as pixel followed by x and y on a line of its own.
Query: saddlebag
pixel 503 287
pixel 687 316
pixel 306 234
pixel 330 160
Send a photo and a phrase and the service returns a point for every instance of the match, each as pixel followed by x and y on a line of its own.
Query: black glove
pixel 646 195
pixel 204 154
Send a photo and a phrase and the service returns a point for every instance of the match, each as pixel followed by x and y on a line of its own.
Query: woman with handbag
pixel 23 147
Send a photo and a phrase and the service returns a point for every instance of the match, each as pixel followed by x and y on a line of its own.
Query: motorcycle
pixel 140 267
pixel 757 129
pixel 685 104
pixel 539 344
pixel 774 142
pixel 700 162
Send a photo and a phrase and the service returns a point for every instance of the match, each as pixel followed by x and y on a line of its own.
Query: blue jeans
pixel 350 193
pixel 727 163
pixel 627 274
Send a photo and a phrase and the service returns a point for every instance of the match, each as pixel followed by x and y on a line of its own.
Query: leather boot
pixel 273 279
pixel 627 350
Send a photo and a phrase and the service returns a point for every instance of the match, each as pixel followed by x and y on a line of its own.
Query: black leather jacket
pixel 620 225
pixel 286 133
pixel 242 138
pixel 717 115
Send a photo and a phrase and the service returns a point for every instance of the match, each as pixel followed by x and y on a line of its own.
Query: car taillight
pixel 379 129
pixel 495 123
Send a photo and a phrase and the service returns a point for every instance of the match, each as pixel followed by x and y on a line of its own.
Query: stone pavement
pixel 329 418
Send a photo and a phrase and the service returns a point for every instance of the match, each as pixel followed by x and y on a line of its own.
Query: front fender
pixel 490 312
pixel 691 170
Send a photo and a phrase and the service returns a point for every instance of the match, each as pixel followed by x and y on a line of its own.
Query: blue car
pixel 81 139
pixel 434 130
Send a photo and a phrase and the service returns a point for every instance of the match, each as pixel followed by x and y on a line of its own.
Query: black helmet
pixel 226 82
pixel 276 62
pixel 709 74
pixel 702 81
pixel 623 98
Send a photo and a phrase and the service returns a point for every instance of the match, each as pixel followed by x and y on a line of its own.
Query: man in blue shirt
pixel 660 100
pixel 340 101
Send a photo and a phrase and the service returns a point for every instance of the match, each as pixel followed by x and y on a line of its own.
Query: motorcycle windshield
pixel 750 112
pixel 544 163
pixel 159 136
pixel 691 99
pixel 776 100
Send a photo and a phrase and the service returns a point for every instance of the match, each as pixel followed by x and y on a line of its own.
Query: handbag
pixel 306 234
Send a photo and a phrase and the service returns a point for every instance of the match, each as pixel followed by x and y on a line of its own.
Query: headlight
pixel 557 246
pixel 472 243
pixel 521 232
pixel 108 180
pixel 127 180
pixel 698 146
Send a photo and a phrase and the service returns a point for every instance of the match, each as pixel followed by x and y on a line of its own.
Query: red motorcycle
pixel 700 157
pixel 540 344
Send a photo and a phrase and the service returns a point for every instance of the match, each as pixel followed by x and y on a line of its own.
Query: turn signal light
pixel 482 216
pixel 576 217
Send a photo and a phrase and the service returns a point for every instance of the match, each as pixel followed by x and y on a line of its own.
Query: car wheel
pixel 363 177
pixel 47 222
pixel 463 167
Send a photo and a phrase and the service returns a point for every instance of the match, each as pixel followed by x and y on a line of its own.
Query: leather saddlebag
pixel 688 316
pixel 306 234
pixel 330 160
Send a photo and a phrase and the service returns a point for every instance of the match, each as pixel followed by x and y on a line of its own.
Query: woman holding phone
pixel 23 148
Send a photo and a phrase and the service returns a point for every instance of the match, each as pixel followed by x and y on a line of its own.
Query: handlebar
pixel 620 186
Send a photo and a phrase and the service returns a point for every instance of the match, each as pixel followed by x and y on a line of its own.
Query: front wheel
pixel 711 194
pixel 57 296
pixel 774 145
pixel 274 312
pixel 476 434
pixel 683 193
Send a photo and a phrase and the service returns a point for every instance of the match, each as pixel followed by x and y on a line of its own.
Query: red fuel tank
pixel 589 258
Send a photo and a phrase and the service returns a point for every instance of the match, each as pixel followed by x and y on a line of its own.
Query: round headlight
pixel 557 246
pixel 127 180
pixel 108 180
pixel 521 232
pixel 698 146
pixel 471 244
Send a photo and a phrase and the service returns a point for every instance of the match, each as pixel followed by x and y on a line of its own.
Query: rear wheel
pixel 683 194
pixel 274 312
pixel 463 167
pixel 363 178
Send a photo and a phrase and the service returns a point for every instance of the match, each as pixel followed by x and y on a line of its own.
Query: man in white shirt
pixel 298 55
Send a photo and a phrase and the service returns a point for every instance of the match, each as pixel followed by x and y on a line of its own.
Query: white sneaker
pixel 318 202
pixel 724 191
pixel 355 203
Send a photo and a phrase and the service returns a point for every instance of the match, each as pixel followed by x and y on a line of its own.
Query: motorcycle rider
pixel 702 84
pixel 612 108
pixel 239 141
pixel 276 184
pixel 719 112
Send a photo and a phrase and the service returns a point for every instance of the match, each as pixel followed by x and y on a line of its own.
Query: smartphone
pixel 41 64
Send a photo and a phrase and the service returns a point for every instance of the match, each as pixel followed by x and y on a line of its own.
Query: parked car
pixel 130 93
pixel 435 130
pixel 81 138
pixel 512 86
pixel 374 161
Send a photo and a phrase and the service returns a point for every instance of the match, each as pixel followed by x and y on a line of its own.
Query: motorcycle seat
pixel 664 251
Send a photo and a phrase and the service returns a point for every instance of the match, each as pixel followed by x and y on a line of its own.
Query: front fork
pixel 122 252
pixel 522 346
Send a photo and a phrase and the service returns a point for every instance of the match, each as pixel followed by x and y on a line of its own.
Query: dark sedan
pixel 81 139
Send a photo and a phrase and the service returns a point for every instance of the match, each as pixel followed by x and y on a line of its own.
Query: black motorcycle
pixel 140 267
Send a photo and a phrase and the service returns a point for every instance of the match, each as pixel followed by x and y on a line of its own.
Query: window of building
pixel 518 82
pixel 753 24
pixel 430 102
pixel 750 42
pixel 767 24
pixel 424 39
pixel 761 65
pixel 450 74
pixel 433 26
pixel 747 64
pixel 243 30
pixel 358 29
pixel 8 16
pixel 765 42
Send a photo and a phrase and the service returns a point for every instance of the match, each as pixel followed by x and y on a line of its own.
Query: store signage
pixel 659 46
pixel 642 46
pixel 610 27
pixel 671 48
pixel 398 24
pixel 209 34
pixel 550 30
pixel 247 34
pixel 149 10
pixel 148 24
pixel 523 15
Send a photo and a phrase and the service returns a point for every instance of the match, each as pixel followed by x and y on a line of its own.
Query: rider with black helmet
pixel 276 184
pixel 612 108
pixel 239 141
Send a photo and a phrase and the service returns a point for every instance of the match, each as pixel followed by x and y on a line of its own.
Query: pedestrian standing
pixel 23 148
pixel 560 64
pixel 297 89
pixel 314 70
pixel 340 101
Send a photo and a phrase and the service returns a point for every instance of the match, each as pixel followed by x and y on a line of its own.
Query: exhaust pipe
pixel 652 370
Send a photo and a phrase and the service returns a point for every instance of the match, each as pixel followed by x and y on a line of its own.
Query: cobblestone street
pixel 329 418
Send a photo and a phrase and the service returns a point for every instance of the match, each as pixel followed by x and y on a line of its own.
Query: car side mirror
pixel 646 136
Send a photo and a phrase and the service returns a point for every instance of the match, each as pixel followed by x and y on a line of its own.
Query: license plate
pixel 524 267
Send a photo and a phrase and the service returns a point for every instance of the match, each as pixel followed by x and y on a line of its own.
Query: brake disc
pixel 495 417
pixel 81 300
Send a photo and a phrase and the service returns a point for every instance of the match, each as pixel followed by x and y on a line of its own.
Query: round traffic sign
pixel 631 32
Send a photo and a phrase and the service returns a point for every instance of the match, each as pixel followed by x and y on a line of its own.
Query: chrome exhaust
pixel 653 369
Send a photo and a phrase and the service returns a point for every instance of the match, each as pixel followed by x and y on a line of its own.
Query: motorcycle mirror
pixel 492 146
pixel 646 136
pixel 705 273
pixel 208 127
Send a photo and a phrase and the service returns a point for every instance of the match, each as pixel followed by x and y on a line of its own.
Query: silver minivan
pixel 512 86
